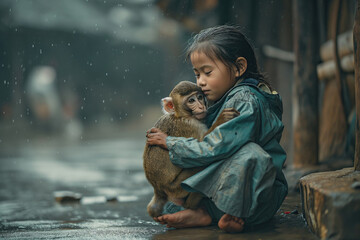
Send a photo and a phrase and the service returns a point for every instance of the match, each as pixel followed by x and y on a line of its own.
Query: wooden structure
pixel 305 99
pixel 357 86
pixel 331 200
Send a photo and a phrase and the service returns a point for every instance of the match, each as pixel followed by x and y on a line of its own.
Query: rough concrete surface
pixel 113 191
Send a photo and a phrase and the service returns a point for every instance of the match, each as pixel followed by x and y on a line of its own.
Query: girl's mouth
pixel 206 92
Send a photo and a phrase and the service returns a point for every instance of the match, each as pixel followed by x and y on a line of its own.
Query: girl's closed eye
pixel 208 72
pixel 197 74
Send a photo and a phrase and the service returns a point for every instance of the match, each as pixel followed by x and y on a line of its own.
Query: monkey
pixel 184 111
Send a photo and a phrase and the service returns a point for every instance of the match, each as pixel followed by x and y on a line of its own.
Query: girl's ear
pixel 167 105
pixel 241 64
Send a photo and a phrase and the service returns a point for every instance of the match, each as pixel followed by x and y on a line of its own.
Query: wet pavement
pixel 109 176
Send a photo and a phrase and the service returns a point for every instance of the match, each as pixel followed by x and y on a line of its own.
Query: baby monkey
pixel 184 109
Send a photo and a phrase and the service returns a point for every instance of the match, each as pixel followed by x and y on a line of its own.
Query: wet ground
pixel 109 176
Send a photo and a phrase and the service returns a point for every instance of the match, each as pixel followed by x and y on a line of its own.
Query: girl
pixel 242 181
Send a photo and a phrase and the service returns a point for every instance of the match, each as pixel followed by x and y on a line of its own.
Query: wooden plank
pixel 327 69
pixel 305 98
pixel 357 85
pixel 345 46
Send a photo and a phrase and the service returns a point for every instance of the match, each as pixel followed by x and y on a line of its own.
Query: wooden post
pixel 357 85
pixel 305 86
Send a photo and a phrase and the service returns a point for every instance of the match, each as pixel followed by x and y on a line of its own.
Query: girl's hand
pixel 156 137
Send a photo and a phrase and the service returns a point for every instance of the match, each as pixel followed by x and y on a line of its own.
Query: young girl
pixel 242 181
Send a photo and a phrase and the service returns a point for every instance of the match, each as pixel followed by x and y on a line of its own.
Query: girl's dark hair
pixel 226 43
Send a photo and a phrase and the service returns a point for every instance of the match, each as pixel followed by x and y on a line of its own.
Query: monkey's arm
pixel 221 143
pixel 226 115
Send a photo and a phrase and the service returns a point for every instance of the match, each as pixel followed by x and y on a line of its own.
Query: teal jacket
pixel 259 122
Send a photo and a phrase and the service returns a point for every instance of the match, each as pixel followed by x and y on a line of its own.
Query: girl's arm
pixel 156 137
pixel 219 144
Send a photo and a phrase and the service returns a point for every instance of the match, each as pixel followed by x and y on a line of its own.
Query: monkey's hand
pixel 226 115
pixel 156 137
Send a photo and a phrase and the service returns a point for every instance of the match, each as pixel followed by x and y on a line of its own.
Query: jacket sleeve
pixel 221 143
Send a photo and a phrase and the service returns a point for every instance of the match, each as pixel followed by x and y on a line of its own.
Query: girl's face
pixel 213 76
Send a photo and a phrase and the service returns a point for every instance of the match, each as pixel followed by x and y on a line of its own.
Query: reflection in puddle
pixel 7 208
pixel 44 225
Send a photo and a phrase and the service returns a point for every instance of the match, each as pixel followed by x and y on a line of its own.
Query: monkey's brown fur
pixel 164 176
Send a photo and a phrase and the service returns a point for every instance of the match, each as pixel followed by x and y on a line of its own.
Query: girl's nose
pixel 201 82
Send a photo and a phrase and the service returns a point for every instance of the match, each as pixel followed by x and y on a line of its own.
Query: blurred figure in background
pixel 50 113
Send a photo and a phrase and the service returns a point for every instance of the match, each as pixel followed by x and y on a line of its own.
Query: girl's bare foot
pixel 231 224
pixel 186 218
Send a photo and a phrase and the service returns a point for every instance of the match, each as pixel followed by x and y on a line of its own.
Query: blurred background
pixel 71 66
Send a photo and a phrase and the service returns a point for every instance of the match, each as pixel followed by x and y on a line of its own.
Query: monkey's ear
pixel 167 105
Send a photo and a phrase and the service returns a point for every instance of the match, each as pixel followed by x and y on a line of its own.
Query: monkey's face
pixel 195 102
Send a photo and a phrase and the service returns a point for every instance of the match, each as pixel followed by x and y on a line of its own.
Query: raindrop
pixel 96 121
pixel 103 101
pixel 40 51
pixel 68 44
pixel 141 115
pixel 148 93
pixel 33 46
pixel 106 74
pixel 82 107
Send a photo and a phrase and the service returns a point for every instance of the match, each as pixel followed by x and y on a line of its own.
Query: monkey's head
pixel 186 100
